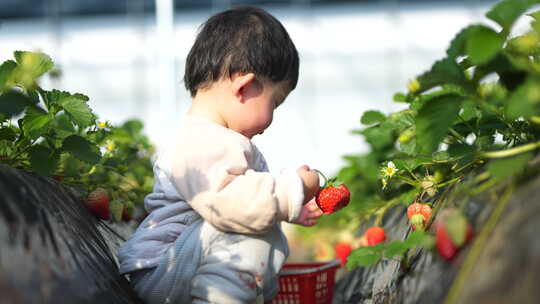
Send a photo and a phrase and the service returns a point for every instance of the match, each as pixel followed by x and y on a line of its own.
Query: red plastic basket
pixel 307 283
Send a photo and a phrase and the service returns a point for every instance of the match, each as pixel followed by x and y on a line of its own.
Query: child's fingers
pixel 309 223
pixel 315 214
pixel 312 206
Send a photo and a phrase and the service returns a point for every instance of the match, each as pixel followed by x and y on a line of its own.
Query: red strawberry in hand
pixel 98 203
pixel 375 235
pixel 332 197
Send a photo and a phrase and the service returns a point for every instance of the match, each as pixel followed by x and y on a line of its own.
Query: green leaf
pixel 78 109
pixel 535 24
pixel 133 126
pixel 408 163
pixel 394 248
pixel 71 165
pixel 33 96
pixel 484 142
pixel 460 150
pixel 468 110
pixel 420 238
pixel 380 136
pixel 402 119
pixel 7 133
pixel 63 126
pixel 400 97
pixel 12 103
pixel 434 120
pixel 82 149
pixel 415 239
pixel 36 122
pixel 6 70
pixel 365 256
pixel 525 100
pixel 506 12
pixel 483 43
pixel 112 162
pixel 444 71
pixel 441 156
pixel 43 160
pixel 33 64
pixel 408 197
pixel 505 167
pixel 457 46
pixel 371 117
pixel 409 147
pixel 56 96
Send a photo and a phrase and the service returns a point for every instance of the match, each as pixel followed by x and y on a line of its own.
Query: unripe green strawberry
pixel 98 203
pixel 417 222
pixel 406 135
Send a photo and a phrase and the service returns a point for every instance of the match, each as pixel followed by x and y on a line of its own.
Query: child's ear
pixel 240 84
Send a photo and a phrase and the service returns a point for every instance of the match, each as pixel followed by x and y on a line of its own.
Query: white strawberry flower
pixel 389 170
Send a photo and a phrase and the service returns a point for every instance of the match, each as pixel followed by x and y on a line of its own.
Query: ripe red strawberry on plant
pixel 452 231
pixel 418 215
pixel 332 196
pixel 342 250
pixel 98 203
pixel 375 235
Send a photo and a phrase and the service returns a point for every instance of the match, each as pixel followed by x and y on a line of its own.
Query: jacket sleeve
pixel 234 198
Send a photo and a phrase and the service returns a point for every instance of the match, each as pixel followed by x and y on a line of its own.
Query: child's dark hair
pixel 241 40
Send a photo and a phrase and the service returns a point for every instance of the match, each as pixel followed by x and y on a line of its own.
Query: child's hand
pixel 310 179
pixel 309 214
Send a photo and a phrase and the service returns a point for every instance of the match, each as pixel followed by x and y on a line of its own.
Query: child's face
pixel 257 110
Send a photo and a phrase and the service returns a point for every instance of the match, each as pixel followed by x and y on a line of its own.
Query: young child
pixel 213 231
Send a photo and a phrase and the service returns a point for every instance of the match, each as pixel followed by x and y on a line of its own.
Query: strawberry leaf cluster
pixel 472 119
pixel 55 133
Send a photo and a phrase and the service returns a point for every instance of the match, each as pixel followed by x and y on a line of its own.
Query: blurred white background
pixel 354 57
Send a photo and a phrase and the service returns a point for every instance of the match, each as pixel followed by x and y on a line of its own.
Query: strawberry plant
pixel 55 133
pixel 472 124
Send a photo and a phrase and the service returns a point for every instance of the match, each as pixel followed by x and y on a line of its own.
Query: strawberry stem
pixel 324 176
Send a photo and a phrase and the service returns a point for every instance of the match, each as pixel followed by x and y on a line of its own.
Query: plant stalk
pixel 477 247
pixel 512 151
